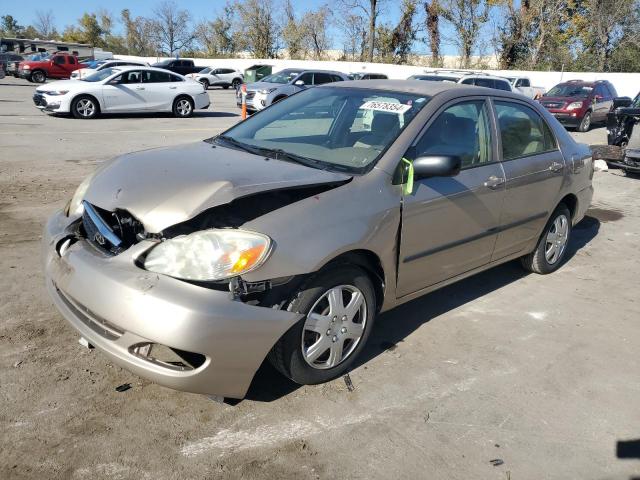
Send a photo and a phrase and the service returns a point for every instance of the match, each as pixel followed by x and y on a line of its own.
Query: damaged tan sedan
pixel 285 236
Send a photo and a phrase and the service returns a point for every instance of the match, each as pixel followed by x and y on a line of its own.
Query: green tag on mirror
pixel 407 187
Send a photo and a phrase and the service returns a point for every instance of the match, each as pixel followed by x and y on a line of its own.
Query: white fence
pixel 627 84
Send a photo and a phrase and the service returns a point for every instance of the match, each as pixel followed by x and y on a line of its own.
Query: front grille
pixel 110 232
pixel 551 105
pixel 39 100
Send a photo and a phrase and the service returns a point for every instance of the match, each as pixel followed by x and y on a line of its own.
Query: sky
pixel 199 9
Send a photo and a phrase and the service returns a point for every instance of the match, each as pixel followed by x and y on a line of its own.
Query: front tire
pixel 552 246
pixel 205 83
pixel 39 76
pixel 236 83
pixel 85 107
pixel 339 305
pixel 182 107
pixel 585 123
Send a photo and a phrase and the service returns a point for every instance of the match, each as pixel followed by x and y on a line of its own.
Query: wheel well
pixel 184 95
pixel 370 262
pixel 279 97
pixel 86 95
pixel 571 201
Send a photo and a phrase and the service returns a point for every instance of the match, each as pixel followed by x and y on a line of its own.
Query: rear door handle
pixel 556 167
pixel 493 182
pixel 139 88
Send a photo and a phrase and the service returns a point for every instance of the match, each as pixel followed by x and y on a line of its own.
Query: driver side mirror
pixel 299 83
pixel 430 166
pixel 436 166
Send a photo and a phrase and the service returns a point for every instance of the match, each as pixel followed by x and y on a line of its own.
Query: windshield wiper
pixel 306 161
pixel 240 145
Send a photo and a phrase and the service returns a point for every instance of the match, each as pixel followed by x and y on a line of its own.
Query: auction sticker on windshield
pixel 386 107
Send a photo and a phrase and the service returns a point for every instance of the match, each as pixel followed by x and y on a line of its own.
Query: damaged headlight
pixel 74 207
pixel 213 254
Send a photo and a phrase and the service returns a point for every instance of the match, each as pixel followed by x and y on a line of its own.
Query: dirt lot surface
pixel 537 374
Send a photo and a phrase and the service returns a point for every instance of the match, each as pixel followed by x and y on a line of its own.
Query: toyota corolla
pixel 285 236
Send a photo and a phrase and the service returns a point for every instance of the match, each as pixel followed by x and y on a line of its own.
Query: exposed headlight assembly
pixel 574 106
pixel 207 255
pixel 74 207
pixel 267 91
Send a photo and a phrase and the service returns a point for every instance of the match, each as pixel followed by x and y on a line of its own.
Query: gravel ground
pixel 539 374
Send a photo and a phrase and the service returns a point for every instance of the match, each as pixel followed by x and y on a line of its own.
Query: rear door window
pixel 151 76
pixel 502 85
pixel 523 131
pixel 320 78
pixel 485 82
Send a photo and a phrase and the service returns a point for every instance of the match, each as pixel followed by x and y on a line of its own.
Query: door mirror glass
pixel 436 166
pixel 299 83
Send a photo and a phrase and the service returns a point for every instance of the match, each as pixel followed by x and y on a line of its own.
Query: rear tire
pixel 38 76
pixel 552 245
pixel 182 107
pixel 323 347
pixel 85 107
pixel 226 87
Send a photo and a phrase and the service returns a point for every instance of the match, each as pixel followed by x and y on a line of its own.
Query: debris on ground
pixel 496 462
pixel 349 383
pixel 123 388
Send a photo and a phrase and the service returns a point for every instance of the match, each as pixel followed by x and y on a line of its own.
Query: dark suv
pixel 578 104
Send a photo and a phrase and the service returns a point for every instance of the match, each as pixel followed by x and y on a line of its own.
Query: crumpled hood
pixel 162 187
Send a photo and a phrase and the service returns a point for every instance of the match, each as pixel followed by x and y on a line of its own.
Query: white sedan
pixel 123 90
pixel 222 77
pixel 85 72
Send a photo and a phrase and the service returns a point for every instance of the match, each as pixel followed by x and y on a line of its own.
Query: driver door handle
pixel 493 182
pixel 139 88
pixel 556 167
pixel 172 88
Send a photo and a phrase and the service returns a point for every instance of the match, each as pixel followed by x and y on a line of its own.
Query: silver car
pixel 278 86
pixel 285 236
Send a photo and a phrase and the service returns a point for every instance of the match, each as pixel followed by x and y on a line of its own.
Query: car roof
pixel 126 68
pixel 422 87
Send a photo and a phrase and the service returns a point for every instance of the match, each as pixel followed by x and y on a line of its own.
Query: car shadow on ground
pixel 394 326
pixel 143 115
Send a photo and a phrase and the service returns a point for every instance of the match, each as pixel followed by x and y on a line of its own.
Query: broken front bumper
pixel 118 307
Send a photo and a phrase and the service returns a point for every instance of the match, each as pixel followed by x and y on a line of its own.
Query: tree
pixel 293 33
pixel 217 36
pixel 371 11
pixel 432 11
pixel 45 24
pixel 356 36
pixel 138 38
pixel 9 27
pixel 466 17
pixel 171 28
pixel 257 27
pixel 404 34
pixel 598 25
pixel 315 25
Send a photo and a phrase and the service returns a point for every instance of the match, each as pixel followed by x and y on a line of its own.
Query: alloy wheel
pixel 183 107
pixel 334 326
pixel 556 240
pixel 86 108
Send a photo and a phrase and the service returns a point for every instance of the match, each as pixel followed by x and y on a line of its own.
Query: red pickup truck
pixel 58 65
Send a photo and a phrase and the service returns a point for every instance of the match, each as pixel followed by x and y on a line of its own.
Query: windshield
pixel 636 102
pixel 205 70
pixel 569 90
pixel 100 75
pixel 345 129
pixel 285 76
